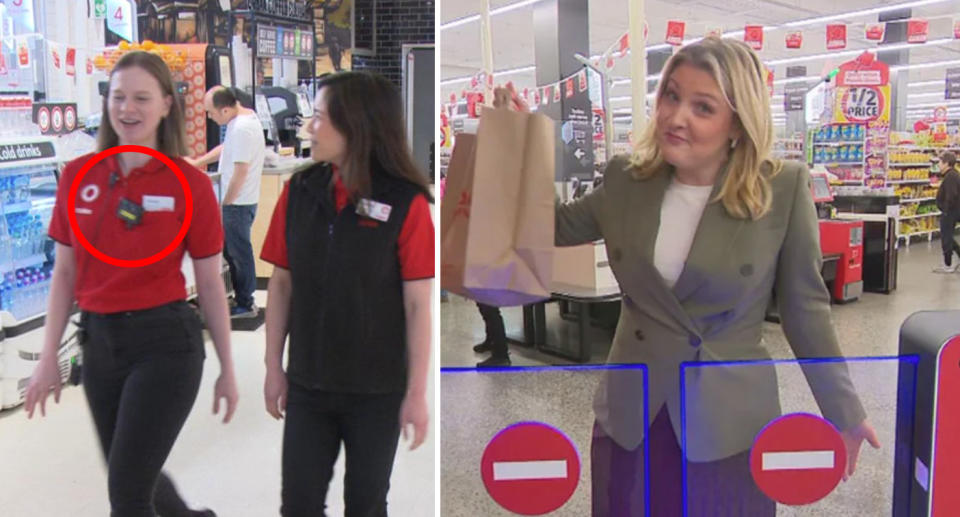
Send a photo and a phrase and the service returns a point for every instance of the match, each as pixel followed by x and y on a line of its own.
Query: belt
pixel 132 314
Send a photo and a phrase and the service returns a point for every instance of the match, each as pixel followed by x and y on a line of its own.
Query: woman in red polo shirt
pixel 352 241
pixel 142 344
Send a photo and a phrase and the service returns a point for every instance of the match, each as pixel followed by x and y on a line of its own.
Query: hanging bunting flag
pixel 794 39
pixel 490 81
pixel 675 32
pixel 453 98
pixel 582 78
pixel 956 29
pixel 55 56
pixel 557 94
pixel 714 31
pixel 71 61
pixel 917 31
pixel 874 31
pixel 570 91
pixel 23 53
pixel 753 36
pixel 545 96
pixel 836 36
pixel 90 66
pixel 624 44
pixel 474 83
pixel 526 95
pixel 769 80
pixel 536 96
pixel 3 64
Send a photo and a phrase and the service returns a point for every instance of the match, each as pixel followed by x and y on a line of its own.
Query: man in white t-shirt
pixel 240 166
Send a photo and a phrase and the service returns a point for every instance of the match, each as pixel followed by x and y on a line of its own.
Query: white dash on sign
pixel 520 470
pixel 799 460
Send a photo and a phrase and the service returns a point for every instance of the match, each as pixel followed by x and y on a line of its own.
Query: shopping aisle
pixel 867 327
pixel 233 469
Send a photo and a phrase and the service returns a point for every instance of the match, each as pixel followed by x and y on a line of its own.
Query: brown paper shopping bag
pixel 497 218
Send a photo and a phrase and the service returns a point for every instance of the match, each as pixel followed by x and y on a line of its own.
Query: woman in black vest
pixel 352 241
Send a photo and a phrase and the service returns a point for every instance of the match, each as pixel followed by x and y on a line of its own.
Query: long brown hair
pixel 367 110
pixel 171 136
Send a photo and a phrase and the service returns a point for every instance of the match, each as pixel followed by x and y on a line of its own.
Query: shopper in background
pixel 143 346
pixel 700 226
pixel 948 201
pixel 495 341
pixel 353 244
pixel 241 167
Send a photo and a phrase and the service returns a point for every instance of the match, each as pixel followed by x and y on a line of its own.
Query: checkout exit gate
pixel 516 441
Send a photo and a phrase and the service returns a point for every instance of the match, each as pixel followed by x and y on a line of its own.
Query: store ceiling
pixel 513 39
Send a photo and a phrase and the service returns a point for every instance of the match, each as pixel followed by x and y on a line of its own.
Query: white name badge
pixel 157 203
pixel 374 210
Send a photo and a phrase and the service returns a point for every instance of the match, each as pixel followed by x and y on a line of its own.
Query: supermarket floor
pixel 53 466
pixel 867 327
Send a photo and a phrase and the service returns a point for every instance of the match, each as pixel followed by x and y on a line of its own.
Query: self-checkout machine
pixel 928 427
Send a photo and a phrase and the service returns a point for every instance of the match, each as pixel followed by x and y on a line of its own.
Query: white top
pixel 680 214
pixel 243 143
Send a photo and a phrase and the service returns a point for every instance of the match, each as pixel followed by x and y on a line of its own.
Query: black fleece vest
pixel 347 324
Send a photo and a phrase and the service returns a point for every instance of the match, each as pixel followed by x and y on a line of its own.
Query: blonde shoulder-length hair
pixel 745 192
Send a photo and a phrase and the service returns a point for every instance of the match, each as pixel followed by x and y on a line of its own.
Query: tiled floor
pixel 52 467
pixel 472 404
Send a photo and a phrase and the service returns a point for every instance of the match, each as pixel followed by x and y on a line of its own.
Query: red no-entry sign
pixel 530 468
pixel 798 459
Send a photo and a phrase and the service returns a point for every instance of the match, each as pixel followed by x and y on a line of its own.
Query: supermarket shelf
pixel 908 182
pixel 916 234
pixel 919 216
pixel 14 208
pixel 917 200
pixel 34 260
pixel 918 164
pixel 838 144
pixel 839 163
pixel 922 148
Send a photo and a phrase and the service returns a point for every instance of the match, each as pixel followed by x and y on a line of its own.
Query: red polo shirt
pixel 415 245
pixel 104 288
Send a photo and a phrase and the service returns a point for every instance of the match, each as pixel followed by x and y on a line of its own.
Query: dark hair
pixel 223 97
pixel 949 158
pixel 366 109
pixel 171 137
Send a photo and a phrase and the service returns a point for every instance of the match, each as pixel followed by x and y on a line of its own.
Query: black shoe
pixel 482 348
pixel 494 361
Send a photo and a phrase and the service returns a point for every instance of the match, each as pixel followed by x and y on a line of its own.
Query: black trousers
pixel 947 243
pixel 316 423
pixel 496 333
pixel 141 374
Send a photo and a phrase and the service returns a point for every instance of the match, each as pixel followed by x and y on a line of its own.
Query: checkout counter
pixel 271 185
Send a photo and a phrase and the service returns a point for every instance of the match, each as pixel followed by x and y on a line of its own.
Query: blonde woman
pixel 701 225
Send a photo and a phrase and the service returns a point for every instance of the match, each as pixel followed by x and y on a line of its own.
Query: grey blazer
pixel 714 312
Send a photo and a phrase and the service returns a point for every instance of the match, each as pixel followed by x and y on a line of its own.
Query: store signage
pixel 120 18
pixel 865 70
pixel 100 8
pixel 284 43
pixel 953 84
pixel 675 32
pixel 862 103
pixel 569 83
pixel 794 39
pixel 917 31
pixel 753 36
pixel 71 61
pixel 530 468
pixel 55 118
pixel 599 123
pixel 266 41
pixel 793 96
pixel 582 81
pixel 798 459
pixel 874 31
pixel 23 52
pixel 836 36
pixel 29 151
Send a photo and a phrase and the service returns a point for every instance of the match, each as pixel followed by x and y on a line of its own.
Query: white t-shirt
pixel 680 214
pixel 243 143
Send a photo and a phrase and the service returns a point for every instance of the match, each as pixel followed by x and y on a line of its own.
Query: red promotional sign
pixel 865 70
pixel 530 468
pixel 453 98
pixel 794 39
pixel 836 36
pixel 917 31
pixel 536 96
pixel 875 31
pixel 570 92
pixel 89 66
pixel 956 29
pixel 675 32
pixel 945 467
pixel 753 36
pixel 56 58
pixel 71 61
pixel 798 459
pixel 624 43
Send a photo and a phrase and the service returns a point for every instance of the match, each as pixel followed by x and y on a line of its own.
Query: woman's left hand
pixel 852 439
pixel 414 413
pixel 226 388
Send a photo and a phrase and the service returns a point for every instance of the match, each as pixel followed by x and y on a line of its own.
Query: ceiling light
pixel 864 12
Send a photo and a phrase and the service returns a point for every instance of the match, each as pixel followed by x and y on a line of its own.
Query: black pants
pixel 141 374
pixel 496 334
pixel 316 424
pixel 949 246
